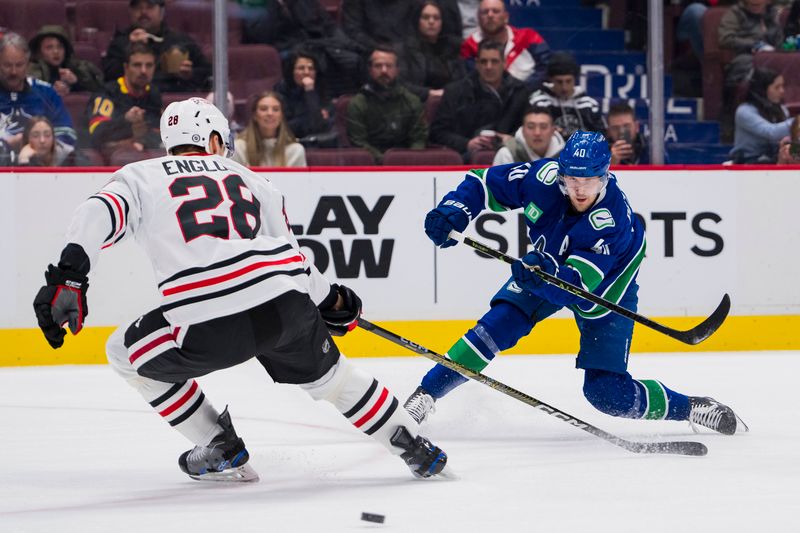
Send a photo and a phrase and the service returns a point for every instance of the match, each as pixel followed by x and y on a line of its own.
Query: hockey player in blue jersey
pixel 584 232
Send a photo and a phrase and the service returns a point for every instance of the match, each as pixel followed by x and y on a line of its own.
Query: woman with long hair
pixel 40 147
pixel 761 120
pixel 431 58
pixel 267 140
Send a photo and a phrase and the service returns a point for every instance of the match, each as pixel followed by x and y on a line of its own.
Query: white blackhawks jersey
pixel 216 234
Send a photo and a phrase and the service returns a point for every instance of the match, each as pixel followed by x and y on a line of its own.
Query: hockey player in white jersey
pixel 234 285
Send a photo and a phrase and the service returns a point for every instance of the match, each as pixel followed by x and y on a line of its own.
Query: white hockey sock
pixel 182 405
pixel 361 398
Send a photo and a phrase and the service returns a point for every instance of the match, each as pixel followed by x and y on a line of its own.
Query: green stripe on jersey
pixel 591 276
pixel 657 402
pixel 616 290
pixel 463 352
pixel 491 201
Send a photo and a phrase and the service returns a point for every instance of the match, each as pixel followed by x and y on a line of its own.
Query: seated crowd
pixel 392 75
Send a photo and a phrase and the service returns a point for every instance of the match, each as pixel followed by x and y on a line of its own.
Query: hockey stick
pixel 696 335
pixel 673 447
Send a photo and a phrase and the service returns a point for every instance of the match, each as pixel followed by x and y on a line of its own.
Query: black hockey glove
pixel 61 301
pixel 343 320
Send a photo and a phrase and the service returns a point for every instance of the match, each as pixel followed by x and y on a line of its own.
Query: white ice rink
pixel 82 452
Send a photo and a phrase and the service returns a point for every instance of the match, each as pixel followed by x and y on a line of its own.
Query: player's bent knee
pixel 330 385
pixel 506 324
pixel 117 354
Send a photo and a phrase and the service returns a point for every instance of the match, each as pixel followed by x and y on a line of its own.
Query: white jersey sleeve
pixel 216 235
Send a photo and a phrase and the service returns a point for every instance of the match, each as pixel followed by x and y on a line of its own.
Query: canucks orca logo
pixel 601 218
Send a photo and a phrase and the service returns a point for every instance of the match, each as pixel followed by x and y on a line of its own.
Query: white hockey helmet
pixel 192 122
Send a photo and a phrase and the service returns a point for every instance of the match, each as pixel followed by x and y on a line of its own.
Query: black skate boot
pixel 420 404
pixel 224 459
pixel 422 457
pixel 708 412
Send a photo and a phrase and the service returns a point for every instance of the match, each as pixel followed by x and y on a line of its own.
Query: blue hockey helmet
pixel 585 155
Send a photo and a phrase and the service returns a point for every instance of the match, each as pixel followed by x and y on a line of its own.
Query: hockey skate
pixel 708 412
pixel 224 459
pixel 420 404
pixel 422 457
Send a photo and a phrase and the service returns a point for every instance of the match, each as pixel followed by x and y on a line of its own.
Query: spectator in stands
pixel 41 149
pixel 308 111
pixel 267 140
pixel 431 58
pixel 572 108
pixel 526 52
pixel 377 22
pixel 748 28
pixel 126 114
pixel 628 146
pixel 761 120
pixel 788 152
pixel 22 97
pixel 180 63
pixel 480 111
pixel 384 114
pixel 536 139
pixel 53 60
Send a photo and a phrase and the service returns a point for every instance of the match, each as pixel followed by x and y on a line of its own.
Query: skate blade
pixel 741 427
pixel 448 474
pixel 241 474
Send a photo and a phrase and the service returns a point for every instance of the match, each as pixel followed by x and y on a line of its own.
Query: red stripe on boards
pixel 229 276
pixel 375 408
pixel 182 400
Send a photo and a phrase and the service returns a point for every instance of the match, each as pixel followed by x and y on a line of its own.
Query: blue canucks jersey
pixel 600 249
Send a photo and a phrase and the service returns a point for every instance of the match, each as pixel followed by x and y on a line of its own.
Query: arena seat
pixel 340 119
pixel 27 17
pixel 428 157
pixel 96 21
pixel 197 20
pixel 483 158
pixel 253 68
pixel 329 157
pixel 786 64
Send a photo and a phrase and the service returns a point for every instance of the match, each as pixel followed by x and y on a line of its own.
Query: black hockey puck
pixel 371 517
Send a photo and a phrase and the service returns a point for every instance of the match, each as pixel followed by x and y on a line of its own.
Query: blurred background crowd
pixel 400 82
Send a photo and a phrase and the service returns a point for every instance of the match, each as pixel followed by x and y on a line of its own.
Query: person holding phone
pixel 627 146
pixel 762 120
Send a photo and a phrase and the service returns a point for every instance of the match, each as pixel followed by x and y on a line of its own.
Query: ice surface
pixel 83 452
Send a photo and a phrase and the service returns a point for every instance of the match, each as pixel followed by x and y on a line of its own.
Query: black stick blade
pixel 707 327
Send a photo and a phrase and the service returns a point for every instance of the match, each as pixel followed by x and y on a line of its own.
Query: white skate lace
pixel 706 414
pixel 419 406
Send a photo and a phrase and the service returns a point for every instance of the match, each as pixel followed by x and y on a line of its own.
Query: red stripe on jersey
pixel 182 400
pixel 230 275
pixel 375 408
pixel 152 344
pixel 120 216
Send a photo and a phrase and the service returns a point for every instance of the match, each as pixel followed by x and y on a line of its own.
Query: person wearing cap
pixel 53 60
pixel 180 63
pixel 569 104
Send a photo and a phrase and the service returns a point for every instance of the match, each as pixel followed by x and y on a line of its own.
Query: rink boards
pixel 711 230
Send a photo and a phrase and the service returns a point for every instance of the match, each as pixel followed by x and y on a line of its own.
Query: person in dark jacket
pixel 308 111
pixel 374 22
pixel 384 114
pixel 127 113
pixel 53 60
pixel 180 63
pixel 431 58
pixel 480 111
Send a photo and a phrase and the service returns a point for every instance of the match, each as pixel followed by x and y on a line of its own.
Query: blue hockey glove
pixel 528 279
pixel 449 216
pixel 343 320
pixel 61 301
